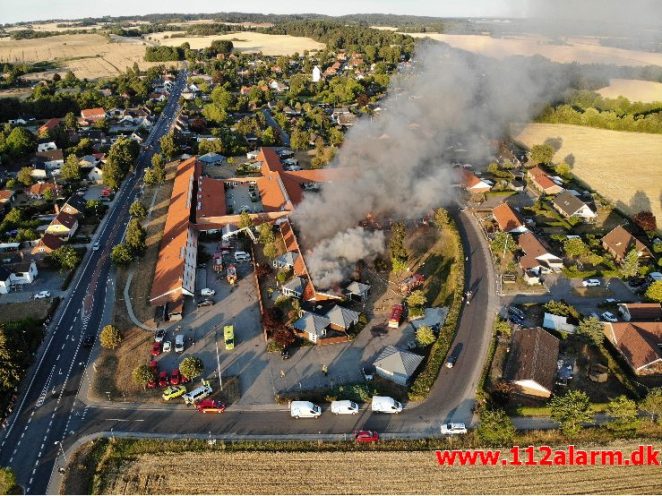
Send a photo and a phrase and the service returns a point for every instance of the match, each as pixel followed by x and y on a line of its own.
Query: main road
pixel 48 407
pixel 47 424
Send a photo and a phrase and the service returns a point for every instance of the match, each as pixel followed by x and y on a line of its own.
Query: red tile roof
pixel 469 180
pixel 170 266
pixel 270 160
pixel 211 199
pixel 38 189
pixel 49 125
pixel 65 219
pixel 542 179
pixel 93 114
pixel 48 241
pixel 273 194
pixel 506 217
pixel 620 242
pixel 5 195
pixel 638 343
pixel 533 248
pixel 643 311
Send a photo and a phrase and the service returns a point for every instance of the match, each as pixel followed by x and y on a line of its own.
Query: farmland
pixel 581 50
pixel 87 55
pixel 362 471
pixel 246 41
pixel 603 159
pixel 633 89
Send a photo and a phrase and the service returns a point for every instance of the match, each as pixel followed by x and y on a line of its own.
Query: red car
pixel 210 406
pixel 163 379
pixel 175 377
pixel 156 349
pixel 366 437
pixel 183 379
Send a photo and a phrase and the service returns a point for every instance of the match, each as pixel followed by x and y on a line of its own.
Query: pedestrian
pixel 282 374
pixel 325 370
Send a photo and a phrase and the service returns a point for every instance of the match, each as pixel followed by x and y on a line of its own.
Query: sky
pixel 31 10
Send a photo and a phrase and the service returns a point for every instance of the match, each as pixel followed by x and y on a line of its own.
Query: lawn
pixel 37 309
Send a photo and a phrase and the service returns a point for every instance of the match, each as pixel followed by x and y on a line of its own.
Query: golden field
pixel 633 89
pixel 245 41
pixel 624 167
pixel 582 50
pixel 87 55
pixel 361 472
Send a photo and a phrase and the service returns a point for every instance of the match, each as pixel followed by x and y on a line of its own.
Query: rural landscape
pixel 331 253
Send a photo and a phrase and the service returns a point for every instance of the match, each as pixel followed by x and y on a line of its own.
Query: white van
pixel 304 409
pixel 199 393
pixel 179 343
pixel 344 407
pixel 242 256
pixel 385 404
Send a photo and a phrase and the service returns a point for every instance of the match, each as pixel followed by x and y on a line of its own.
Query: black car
pixel 88 340
pixel 205 303
pixel 455 354
pixel 285 354
pixel 516 312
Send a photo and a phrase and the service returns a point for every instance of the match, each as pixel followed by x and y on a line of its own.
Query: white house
pixel 557 323
pixel 24 272
pixel 569 205
pixel 317 74
pixel 44 147
pixel 5 280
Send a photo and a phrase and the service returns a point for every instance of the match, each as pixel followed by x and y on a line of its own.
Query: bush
pixel 495 428
pixel 191 367
pixel 143 374
pixel 7 481
pixel 425 336
pixel 110 337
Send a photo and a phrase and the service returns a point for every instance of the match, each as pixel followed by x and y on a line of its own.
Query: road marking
pixel 57 358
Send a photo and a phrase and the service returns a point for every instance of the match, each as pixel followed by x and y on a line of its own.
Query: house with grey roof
pixel 357 290
pixel 532 362
pixel 211 158
pixel 433 317
pixel 294 287
pixel 286 260
pixel 313 325
pixel 397 365
pixel 341 318
pixel 570 205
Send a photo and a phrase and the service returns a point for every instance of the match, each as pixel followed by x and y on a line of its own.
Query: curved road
pixel 32 443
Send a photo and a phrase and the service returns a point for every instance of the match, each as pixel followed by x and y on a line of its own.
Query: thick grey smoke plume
pixel 399 163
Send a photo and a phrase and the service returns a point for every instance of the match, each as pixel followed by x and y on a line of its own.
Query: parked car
pixel 198 394
pixel 344 407
pixel 516 312
pixel 366 437
pixel 451 428
pixel 207 292
pixel 167 347
pixel 368 372
pixel 173 392
pixel 159 335
pixel 228 334
pixel 304 409
pixel 285 354
pixel 385 404
pixel 209 405
pixel 609 317
pixel 207 302
pixel 163 379
pixel 175 377
pixel 156 349
pixel 590 283
pixel 42 294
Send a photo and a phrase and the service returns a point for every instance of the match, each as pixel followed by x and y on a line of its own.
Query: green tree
pixel 169 146
pixel 112 174
pixel 571 411
pixel 592 330
pixel 110 337
pixel 299 139
pixel 135 236
pixel 65 257
pixel 138 210
pixel 575 247
pixel 24 176
pixel 560 308
pixel 397 243
pixel 121 255
pixel 417 299
pixel 7 481
pixel 425 336
pixel 266 233
pixel 11 369
pixel 191 367
pixel 495 428
pixel 441 218
pixel 502 242
pixel 143 374
pixel 654 292
pixel 542 154
pixel 268 137
pixel 19 142
pixel 157 160
pixel 502 327
pixel 269 251
pixel 70 170
pixel 630 264
pixel 623 416
pixel 652 404
pixel 245 220
pixel 70 121
pixel 563 170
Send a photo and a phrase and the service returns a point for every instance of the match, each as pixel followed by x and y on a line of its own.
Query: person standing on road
pixel 325 370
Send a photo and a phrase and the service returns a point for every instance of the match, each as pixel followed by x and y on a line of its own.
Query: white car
pixel 590 283
pixel 207 292
pixel 95 246
pixel 344 407
pixel 42 294
pixel 167 346
pixel 609 317
pixel 453 428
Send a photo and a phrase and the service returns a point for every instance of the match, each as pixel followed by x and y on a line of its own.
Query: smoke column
pixel 398 164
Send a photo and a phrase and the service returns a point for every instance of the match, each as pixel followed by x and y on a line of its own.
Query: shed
pixel 397 365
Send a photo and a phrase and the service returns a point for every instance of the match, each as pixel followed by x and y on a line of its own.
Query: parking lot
pixel 47 280
pixel 243 197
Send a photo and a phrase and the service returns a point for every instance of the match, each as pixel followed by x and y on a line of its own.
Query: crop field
pixel 364 472
pixel 633 89
pixel 87 55
pixel 624 167
pixel 245 41
pixel 582 50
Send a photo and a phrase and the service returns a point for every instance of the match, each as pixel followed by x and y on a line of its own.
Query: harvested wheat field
pixel 246 41
pixel 87 55
pixel 624 167
pixel 633 89
pixel 584 50
pixel 361 472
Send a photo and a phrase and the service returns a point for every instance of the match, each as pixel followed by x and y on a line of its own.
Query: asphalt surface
pixel 43 420
pixel 47 410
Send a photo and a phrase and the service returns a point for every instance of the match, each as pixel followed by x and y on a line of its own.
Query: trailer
pixel 412 282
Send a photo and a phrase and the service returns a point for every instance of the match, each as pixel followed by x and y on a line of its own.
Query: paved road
pixel 284 137
pixel 48 408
